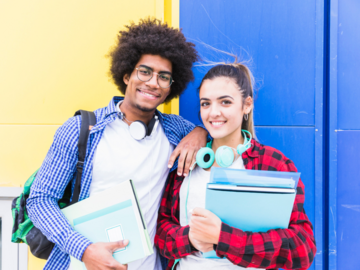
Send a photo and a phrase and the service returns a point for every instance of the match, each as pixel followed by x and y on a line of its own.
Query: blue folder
pixel 250 206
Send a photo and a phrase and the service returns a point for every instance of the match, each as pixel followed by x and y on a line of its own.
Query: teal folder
pixel 110 216
pixel 251 206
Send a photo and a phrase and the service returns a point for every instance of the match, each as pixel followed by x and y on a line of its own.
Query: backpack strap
pixel 88 120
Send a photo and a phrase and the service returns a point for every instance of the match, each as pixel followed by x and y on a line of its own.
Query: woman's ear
pixel 248 105
pixel 126 79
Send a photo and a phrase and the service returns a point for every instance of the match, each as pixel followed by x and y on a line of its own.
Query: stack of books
pixel 250 200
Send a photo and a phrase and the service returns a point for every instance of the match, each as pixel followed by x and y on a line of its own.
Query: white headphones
pixel 138 129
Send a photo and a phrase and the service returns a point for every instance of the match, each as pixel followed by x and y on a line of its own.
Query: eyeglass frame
pixel 157 74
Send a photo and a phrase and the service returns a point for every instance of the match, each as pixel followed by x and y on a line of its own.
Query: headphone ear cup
pixel 224 156
pixel 205 157
pixel 138 130
pixel 241 148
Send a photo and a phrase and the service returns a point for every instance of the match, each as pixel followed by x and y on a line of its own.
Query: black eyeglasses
pixel 145 74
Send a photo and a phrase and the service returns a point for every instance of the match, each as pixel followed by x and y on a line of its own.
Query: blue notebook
pixel 251 205
pixel 110 216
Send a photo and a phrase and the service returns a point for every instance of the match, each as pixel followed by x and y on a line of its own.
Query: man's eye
pixel 163 77
pixel 145 71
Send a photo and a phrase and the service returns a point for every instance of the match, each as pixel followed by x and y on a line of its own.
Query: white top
pixel 120 157
pixel 197 192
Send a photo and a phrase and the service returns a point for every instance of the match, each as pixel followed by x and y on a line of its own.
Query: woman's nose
pixel 215 111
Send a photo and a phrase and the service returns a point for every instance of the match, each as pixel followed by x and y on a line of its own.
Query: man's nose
pixel 153 81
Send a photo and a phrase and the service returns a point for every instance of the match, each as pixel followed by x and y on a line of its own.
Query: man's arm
pixel 48 187
pixel 190 139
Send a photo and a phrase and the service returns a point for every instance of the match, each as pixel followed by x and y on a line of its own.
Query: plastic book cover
pixel 255 201
pixel 109 216
pixel 254 178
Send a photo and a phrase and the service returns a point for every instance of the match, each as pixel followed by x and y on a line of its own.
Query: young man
pixel 151 65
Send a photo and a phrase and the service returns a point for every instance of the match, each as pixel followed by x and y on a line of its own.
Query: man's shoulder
pixel 71 127
pixel 174 120
pixel 170 117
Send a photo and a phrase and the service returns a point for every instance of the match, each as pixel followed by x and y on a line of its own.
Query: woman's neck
pixel 232 140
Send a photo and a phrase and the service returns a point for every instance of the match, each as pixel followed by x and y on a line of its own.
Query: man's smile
pixel 148 94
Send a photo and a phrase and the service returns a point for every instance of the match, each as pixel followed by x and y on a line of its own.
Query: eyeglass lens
pixel 145 74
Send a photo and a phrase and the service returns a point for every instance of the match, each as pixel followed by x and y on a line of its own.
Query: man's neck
pixel 132 113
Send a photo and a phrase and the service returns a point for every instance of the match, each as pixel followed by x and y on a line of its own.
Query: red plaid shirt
pixel 291 248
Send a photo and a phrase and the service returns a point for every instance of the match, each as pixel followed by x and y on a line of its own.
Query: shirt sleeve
pixel 48 187
pixel 291 248
pixel 180 127
pixel 171 239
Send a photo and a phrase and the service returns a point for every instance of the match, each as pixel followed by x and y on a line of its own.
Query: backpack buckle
pixel 80 164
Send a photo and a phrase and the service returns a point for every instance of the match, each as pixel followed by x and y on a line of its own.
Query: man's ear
pixel 126 79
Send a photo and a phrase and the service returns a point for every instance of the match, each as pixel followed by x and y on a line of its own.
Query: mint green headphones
pixel 224 156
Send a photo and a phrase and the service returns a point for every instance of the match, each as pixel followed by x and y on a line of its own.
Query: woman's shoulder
pixel 270 158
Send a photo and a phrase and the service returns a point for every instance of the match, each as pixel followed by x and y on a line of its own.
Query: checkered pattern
pixel 292 248
pixel 59 168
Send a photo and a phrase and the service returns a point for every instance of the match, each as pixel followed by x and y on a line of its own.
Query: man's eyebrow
pixel 166 72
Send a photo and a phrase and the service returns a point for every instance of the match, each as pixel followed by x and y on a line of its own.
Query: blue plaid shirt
pixel 59 168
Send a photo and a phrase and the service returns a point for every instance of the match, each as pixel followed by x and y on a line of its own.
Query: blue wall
pixel 305 57
pixel 344 135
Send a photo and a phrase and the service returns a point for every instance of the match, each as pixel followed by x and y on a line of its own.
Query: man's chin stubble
pixel 143 109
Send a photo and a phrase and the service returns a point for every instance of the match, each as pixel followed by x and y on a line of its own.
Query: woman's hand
pixel 202 246
pixel 205 227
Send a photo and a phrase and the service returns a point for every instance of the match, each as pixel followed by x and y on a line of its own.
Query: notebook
pixel 255 203
pixel 109 216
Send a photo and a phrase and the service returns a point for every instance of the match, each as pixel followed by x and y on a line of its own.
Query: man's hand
pixel 187 149
pixel 205 226
pixel 98 256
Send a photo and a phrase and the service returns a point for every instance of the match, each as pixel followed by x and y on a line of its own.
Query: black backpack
pixel 24 230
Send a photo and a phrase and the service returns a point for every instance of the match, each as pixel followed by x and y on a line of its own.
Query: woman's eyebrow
pixel 225 97
pixel 163 71
pixel 204 98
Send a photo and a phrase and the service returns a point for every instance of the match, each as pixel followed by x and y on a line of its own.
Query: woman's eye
pixel 226 102
pixel 204 104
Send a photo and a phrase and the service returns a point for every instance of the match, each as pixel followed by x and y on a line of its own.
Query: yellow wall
pixel 52 64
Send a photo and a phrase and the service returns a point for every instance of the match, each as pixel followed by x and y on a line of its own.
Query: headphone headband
pixel 224 154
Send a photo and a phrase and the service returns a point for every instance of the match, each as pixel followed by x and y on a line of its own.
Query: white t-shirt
pixel 197 192
pixel 120 157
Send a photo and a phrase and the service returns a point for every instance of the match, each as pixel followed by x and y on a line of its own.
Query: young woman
pixel 226 99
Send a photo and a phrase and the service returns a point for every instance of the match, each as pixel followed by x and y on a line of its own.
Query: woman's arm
pixel 172 239
pixel 291 248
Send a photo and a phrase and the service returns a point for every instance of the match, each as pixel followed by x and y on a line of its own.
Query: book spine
pixel 149 245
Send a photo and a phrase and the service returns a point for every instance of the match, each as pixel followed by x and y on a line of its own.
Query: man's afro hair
pixel 151 36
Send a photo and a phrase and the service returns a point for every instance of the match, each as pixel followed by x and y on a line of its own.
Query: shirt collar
pixel 111 108
pixel 253 151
